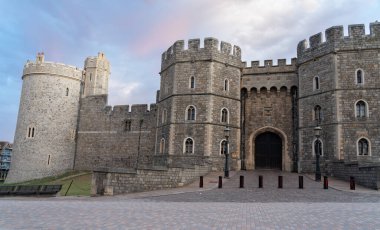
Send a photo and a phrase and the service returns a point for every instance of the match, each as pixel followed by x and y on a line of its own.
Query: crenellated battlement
pixel 336 41
pixel 268 67
pixel 223 52
pixel 51 68
pixel 134 109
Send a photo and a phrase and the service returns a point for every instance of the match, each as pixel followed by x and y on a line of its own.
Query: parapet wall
pixel 52 68
pixel 92 62
pixel 268 67
pixel 336 41
pixel 224 52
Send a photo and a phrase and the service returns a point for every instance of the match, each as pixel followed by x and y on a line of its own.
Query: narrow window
pixel 317 113
pixel 162 146
pixel 48 162
pixel 33 132
pixel 363 147
pixel 223 147
pixel 359 77
pixel 90 76
pixel 163 116
pixel 225 85
pixel 192 82
pixel 224 117
pixel 318 148
pixel 127 125
pixel 361 109
pixel 189 144
pixel 29 131
pixel 67 91
pixel 191 113
pixel 316 83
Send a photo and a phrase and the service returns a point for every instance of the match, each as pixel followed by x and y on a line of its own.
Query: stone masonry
pixel 65 121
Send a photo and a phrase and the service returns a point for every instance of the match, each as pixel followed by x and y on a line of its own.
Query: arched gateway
pixel 268 151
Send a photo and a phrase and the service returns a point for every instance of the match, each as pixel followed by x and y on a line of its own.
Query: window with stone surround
pixel 162 146
pixel 226 85
pixel 192 82
pixel 163 116
pixel 224 116
pixel 191 113
pixel 359 77
pixel 316 83
pixel 361 109
pixel 363 147
pixel 128 124
pixel 318 113
pixel 31 132
pixel 317 147
pixel 188 147
pixel 223 147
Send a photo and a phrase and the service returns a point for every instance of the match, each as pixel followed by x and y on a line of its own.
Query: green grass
pixel 80 186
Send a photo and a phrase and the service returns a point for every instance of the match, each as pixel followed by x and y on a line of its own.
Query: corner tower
pixel 44 143
pixel 96 75
pixel 199 96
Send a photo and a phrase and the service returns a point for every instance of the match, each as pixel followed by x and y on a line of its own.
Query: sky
pixel 133 34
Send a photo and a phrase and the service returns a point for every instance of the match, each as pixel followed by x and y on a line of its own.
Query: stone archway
pixel 250 154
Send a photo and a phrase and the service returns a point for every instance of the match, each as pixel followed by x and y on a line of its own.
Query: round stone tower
pixel 44 143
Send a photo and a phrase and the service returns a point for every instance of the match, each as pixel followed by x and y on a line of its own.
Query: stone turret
pixel 44 142
pixel 96 75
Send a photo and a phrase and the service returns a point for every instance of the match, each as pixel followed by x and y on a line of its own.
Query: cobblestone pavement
pixel 210 208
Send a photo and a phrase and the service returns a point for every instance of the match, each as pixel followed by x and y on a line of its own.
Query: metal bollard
pixel 201 182
pixel 325 182
pixel 352 183
pixel 260 181
pixel 300 182
pixel 220 182
pixel 241 182
pixel 279 181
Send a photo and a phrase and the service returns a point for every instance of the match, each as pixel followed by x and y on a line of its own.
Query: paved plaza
pixel 208 208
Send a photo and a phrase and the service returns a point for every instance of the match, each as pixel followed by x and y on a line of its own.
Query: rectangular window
pixel 127 126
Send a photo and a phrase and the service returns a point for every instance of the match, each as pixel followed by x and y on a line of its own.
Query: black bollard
pixel 352 183
pixel 201 182
pixel 325 182
pixel 279 181
pixel 260 181
pixel 241 182
pixel 300 182
pixel 220 182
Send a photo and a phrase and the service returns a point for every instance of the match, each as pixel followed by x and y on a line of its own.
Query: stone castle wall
pixel 106 140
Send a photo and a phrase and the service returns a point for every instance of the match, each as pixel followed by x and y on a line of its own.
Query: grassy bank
pixel 80 183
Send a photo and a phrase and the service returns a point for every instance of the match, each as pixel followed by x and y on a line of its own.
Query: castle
pixel 64 121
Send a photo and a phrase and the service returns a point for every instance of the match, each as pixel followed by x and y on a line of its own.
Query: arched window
pixel 226 85
pixel 361 109
pixel 316 83
pixel 318 113
pixel 190 113
pixel 67 91
pixel 363 147
pixel 224 116
pixel 192 82
pixel 318 147
pixel 359 77
pixel 189 146
pixel 162 146
pixel 223 147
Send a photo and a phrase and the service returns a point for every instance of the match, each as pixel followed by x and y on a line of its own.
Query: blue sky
pixel 133 34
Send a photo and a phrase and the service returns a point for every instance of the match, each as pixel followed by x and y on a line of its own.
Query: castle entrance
pixel 268 151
